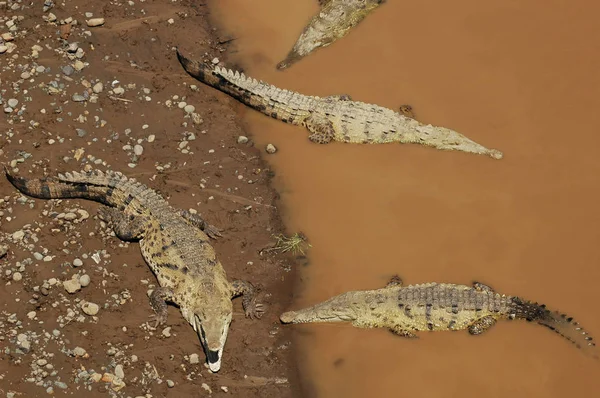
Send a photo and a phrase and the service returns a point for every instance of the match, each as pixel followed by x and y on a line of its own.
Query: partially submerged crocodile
pixel 174 243
pixel 334 21
pixel 437 307
pixel 333 118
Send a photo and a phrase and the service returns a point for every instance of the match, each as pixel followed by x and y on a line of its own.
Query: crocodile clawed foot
pixel 158 320
pixel 212 232
pixel 106 213
pixel 255 310
pixel 407 111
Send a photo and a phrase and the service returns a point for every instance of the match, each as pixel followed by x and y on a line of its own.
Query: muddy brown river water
pixel 521 77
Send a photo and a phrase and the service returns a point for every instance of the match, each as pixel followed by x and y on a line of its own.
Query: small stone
pixel 84 280
pixel 38 256
pixel 77 262
pixel 194 359
pixel 138 150
pixel 79 352
pixel 95 22
pixel 68 70
pixel 16 276
pixel 72 47
pixel 167 332
pixel 13 102
pixel 119 371
pixel 98 87
pixel 90 308
pixel 78 98
pixel 242 139
pixel 7 36
pixel 171 21
pixel 182 104
pixel 52 17
pixel 18 235
pixel 72 285
pixel 170 383
pixel 31 314
pixel 3 49
pixel 151 138
pixel 40 69
pixel 118 90
pixel 78 65
pixel 271 149
pixel 61 385
pixel 41 362
pixel 215 61
pixel 206 387
pixel 81 132
pixel 25 75
pixel 189 108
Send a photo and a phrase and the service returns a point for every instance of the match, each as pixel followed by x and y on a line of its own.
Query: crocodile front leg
pixel 399 331
pixel 482 324
pixel 321 129
pixel 395 281
pixel 407 111
pixel 125 227
pixel 199 222
pixel 252 308
pixel 158 302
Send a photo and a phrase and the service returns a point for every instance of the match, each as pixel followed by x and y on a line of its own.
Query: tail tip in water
pixel 287 317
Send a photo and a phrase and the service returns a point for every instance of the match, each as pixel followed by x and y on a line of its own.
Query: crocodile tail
pixel 562 324
pixel 200 71
pixel 53 188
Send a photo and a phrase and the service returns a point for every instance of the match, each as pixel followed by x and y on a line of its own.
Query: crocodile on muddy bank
pixel 333 118
pixel 174 243
pixel 437 307
pixel 334 21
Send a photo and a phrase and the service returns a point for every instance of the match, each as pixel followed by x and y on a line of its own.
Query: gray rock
pixel 84 280
pixel 78 98
pixel 77 262
pixel 81 132
pixel 13 102
pixel 68 70
pixel 138 150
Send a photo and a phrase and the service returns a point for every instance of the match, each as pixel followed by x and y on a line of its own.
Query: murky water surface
pixel 518 76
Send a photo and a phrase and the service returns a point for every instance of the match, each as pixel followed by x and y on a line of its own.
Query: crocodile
pixel 335 19
pixel 405 310
pixel 332 118
pixel 174 243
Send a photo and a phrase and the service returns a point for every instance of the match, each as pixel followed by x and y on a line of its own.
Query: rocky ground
pixel 97 85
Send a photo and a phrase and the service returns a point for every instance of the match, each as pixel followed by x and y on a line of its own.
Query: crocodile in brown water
pixel 333 118
pixel 174 243
pixel 335 19
pixel 437 307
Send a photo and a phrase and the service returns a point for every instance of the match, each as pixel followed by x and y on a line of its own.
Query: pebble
pixel 40 69
pixel 13 102
pixel 31 314
pixel 78 351
pixel 271 148
pixel 242 139
pixel 18 235
pixel 38 256
pixel 119 371
pixel 151 138
pixel 138 150
pixel 182 104
pixel 81 132
pixel 118 90
pixel 194 358
pixel 41 362
pixel 84 280
pixel 68 70
pixel 3 250
pixel 25 75
pixel 215 61
pixel 77 262
pixel 95 22
pixel 17 276
pixel 72 285
pixel 189 108
pixel 78 98
pixel 90 308
pixel 98 87
pixel 78 65
pixel 170 383
pixel 167 332
pixel 3 49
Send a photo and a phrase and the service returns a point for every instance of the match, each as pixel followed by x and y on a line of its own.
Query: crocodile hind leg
pixel 481 325
pixel 321 129
pixel 481 287
pixel 395 281
pixel 158 302
pixel 125 227
pixel 407 111
pixel 199 222
pixel 252 308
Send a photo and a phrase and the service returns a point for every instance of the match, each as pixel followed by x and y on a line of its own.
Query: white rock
pixel 271 148
pixel 95 22
pixel 78 351
pixel 18 235
pixel 72 285
pixel 189 108
pixel 90 308
pixel 194 358
pixel 17 276
pixel 119 371
pixel 3 49
pixel 98 87
pixel 77 262
pixel 84 280
pixel 151 138
pixel 138 150
pixel 242 139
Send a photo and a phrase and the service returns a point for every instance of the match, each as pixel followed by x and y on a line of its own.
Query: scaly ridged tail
pixel 110 188
pixel 559 323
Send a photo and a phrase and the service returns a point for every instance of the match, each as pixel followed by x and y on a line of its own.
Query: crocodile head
pixel 211 323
